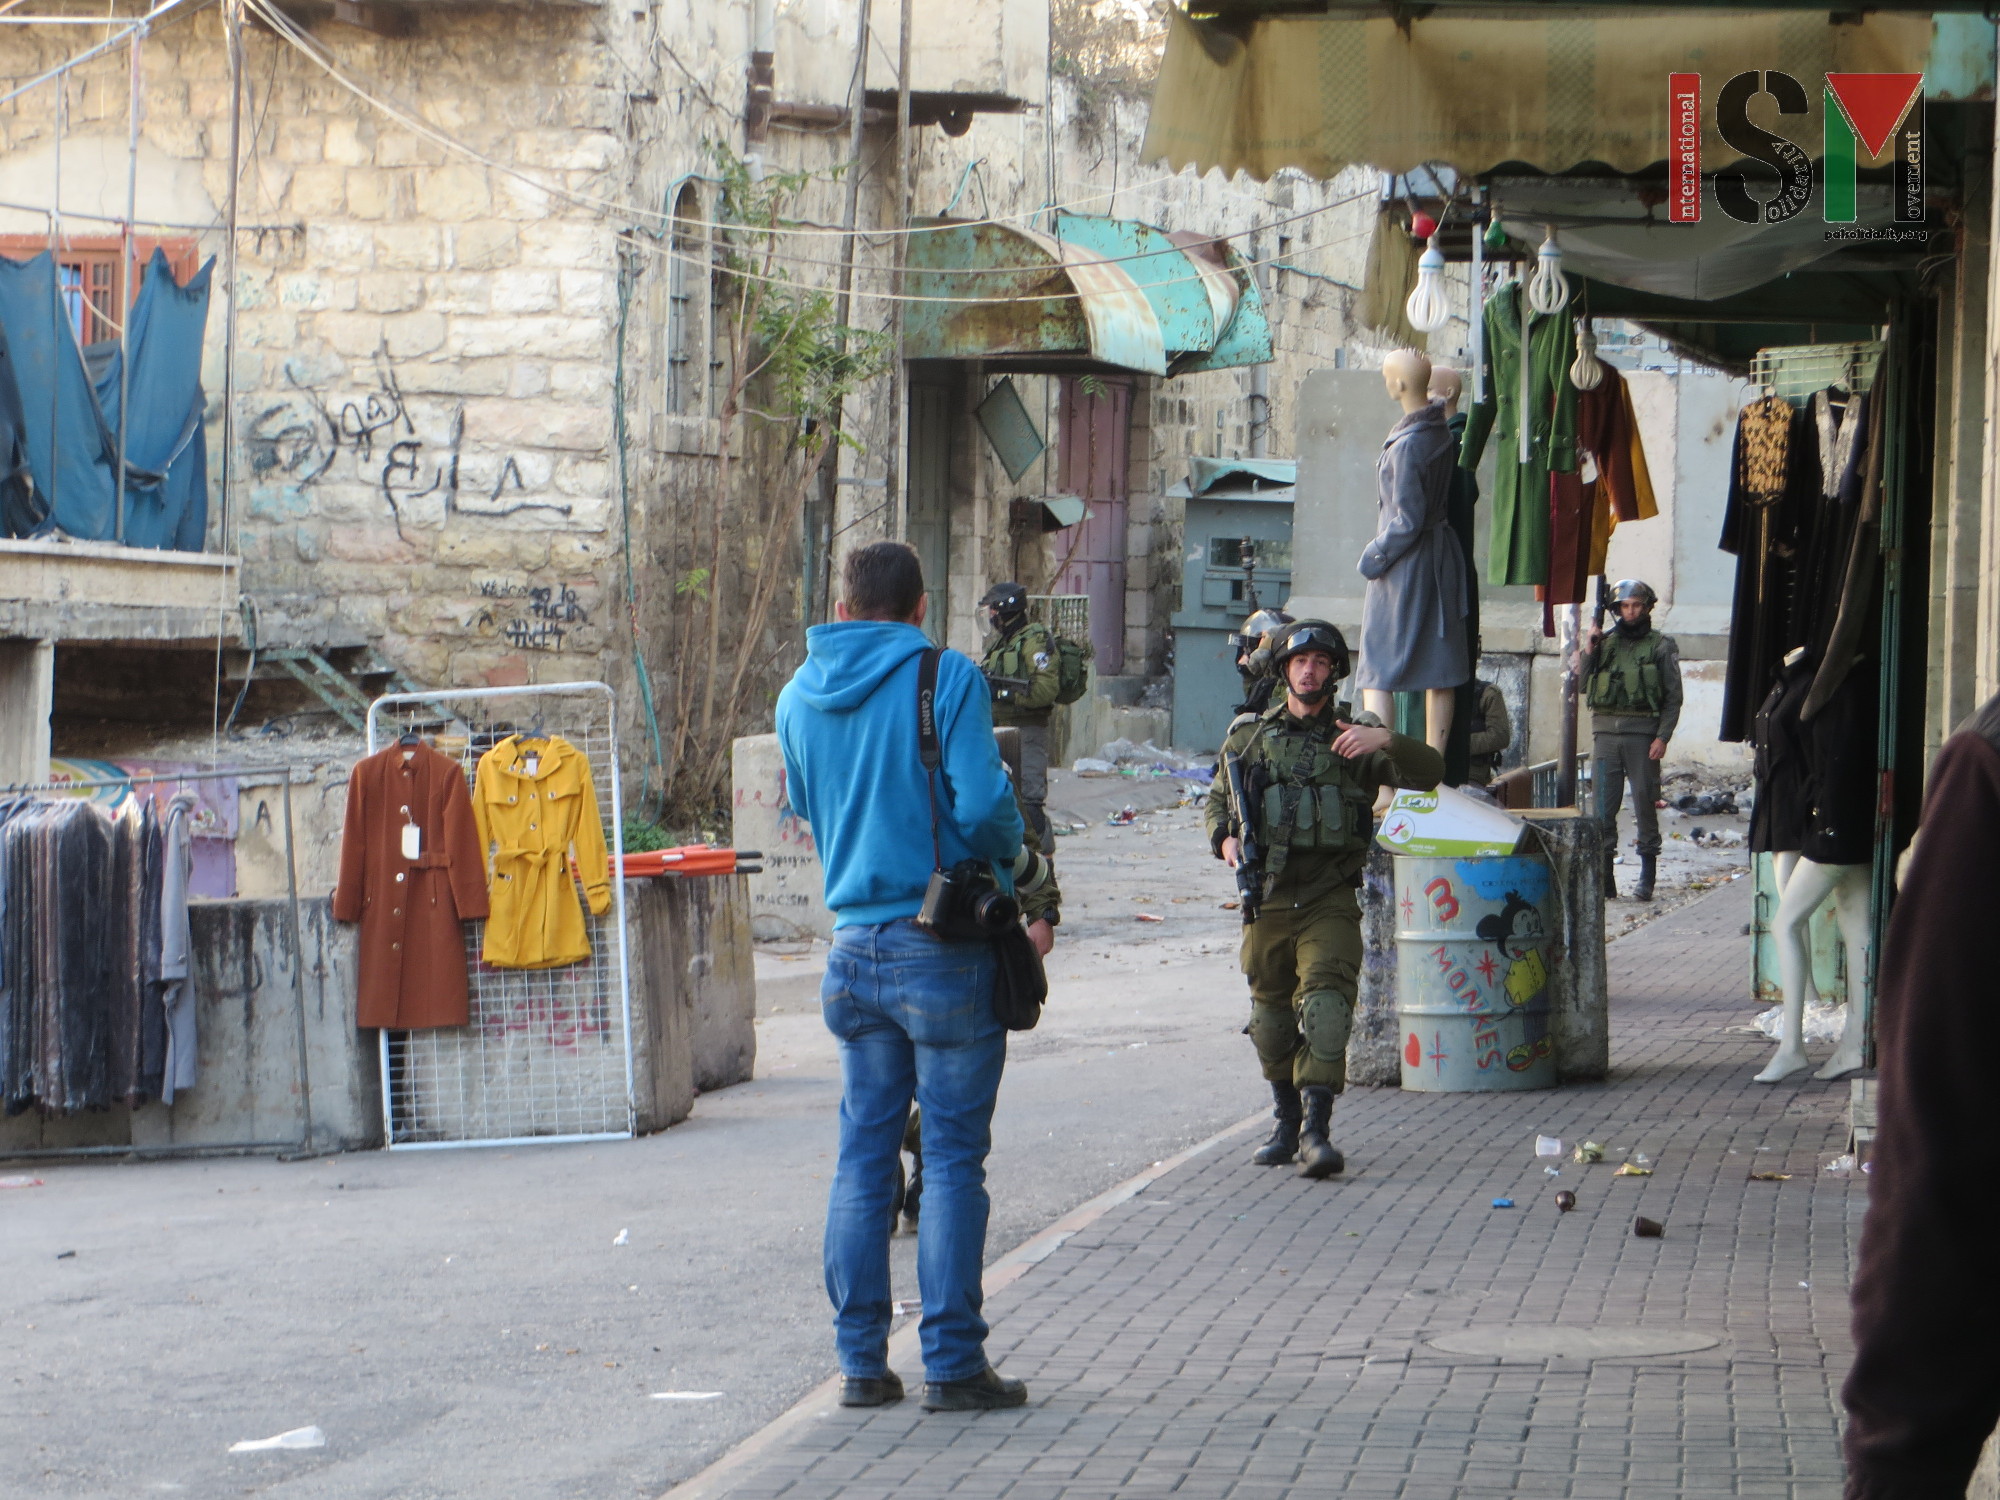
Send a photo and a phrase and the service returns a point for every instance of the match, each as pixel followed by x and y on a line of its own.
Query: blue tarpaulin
pixel 68 410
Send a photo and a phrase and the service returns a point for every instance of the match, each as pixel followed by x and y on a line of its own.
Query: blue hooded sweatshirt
pixel 847 724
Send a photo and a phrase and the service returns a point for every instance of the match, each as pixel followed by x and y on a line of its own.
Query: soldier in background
pixel 1040 896
pixel 1634 677
pixel 1021 670
pixel 1253 659
pixel 1492 732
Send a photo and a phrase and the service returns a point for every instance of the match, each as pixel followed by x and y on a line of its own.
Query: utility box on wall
pixel 1238 559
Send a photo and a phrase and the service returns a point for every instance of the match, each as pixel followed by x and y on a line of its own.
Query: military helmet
pixel 1633 588
pixel 1007 599
pixel 1310 635
pixel 1259 625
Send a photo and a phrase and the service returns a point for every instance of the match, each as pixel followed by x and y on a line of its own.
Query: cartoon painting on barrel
pixel 1518 932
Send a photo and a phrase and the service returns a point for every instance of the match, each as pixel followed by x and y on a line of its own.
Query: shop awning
pixel 1098 294
pixel 1607 233
pixel 1476 89
pixel 1239 479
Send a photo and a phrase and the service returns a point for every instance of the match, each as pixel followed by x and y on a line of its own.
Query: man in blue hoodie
pixel 913 1014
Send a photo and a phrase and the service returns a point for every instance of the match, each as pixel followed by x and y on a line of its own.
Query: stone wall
pixel 441 291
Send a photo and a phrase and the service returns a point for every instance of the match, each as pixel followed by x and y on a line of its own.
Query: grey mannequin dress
pixel 1413 619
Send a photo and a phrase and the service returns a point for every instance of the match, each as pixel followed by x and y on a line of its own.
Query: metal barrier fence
pixel 547 1053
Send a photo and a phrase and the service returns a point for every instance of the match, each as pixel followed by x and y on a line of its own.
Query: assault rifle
pixel 1004 688
pixel 1250 849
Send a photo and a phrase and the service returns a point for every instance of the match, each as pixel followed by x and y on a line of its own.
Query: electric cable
pixel 288 31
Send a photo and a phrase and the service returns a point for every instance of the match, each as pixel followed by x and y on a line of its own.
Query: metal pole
pixel 1476 310
pixel 892 499
pixel 129 298
pixel 298 972
pixel 59 313
pixel 1260 374
pixel 1567 643
pixel 232 24
pixel 820 548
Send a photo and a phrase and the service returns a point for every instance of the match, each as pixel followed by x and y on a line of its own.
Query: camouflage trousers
pixel 1304 964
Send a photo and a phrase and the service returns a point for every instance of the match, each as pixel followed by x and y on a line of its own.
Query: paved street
pixel 462 1324
pixel 1234 1331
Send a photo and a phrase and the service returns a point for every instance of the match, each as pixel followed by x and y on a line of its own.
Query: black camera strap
pixel 929 751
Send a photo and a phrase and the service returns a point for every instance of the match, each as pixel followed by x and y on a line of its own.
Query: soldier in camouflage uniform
pixel 1633 679
pixel 1253 659
pixel 1312 767
pixel 1021 669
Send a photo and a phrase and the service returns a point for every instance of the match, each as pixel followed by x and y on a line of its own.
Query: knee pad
pixel 1327 1019
pixel 1276 1036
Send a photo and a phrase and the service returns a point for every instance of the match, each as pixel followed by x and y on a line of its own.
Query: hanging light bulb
pixel 1548 291
pixel 1427 308
pixel 1587 373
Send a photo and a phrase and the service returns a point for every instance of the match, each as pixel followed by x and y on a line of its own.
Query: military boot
pixel 1643 891
pixel 1317 1156
pixel 1283 1146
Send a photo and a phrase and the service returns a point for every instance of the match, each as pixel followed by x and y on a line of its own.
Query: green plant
pixel 789 364
pixel 641 836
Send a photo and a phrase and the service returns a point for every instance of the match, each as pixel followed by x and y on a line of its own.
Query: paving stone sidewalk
pixel 1238 1332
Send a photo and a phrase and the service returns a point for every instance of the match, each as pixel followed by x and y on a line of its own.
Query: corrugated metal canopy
pixel 1099 294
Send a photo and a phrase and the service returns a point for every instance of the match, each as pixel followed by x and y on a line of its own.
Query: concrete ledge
pixel 101 591
pixel 694 992
pixel 246 1089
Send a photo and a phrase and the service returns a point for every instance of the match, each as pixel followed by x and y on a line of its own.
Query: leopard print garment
pixel 1762 449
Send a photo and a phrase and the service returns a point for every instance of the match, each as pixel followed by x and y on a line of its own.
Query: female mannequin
pixel 1803 887
pixel 1815 816
pixel 1413 617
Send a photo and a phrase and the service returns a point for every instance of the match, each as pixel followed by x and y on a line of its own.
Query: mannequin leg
pixel 1437 716
pixel 1381 703
pixel 1850 898
pixel 1804 892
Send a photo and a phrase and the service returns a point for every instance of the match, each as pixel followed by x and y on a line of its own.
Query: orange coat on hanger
pixel 529 823
pixel 412 946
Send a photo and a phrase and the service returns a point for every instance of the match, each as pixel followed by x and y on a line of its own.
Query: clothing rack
pixel 288 1150
pixel 540 1058
pixel 1796 371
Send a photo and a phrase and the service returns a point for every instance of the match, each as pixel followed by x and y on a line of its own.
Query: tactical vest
pixel 1627 676
pixel 1311 799
pixel 1014 655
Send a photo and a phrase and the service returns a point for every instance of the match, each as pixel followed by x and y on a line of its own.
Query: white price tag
pixel 413 841
pixel 534 764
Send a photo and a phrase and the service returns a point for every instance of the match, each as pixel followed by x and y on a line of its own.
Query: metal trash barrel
pixel 1474 954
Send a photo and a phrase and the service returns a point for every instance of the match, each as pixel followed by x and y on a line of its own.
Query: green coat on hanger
pixel 1520 546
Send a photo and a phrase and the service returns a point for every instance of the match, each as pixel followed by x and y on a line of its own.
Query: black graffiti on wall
pixel 552 614
pixel 300 439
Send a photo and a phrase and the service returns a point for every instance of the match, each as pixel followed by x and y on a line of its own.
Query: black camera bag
pixel 1020 984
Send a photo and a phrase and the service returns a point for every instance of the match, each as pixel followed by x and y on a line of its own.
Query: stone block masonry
pixel 424 342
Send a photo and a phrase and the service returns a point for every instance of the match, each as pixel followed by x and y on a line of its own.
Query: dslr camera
pixel 966 905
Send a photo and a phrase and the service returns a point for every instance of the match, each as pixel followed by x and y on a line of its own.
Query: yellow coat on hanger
pixel 528 826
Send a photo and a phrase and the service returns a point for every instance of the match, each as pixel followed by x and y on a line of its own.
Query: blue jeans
pixel 915 1018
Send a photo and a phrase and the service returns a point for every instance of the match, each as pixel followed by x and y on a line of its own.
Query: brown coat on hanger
pixel 410 910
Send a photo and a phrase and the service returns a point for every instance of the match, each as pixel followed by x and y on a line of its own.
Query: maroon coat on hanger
pixel 410 911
